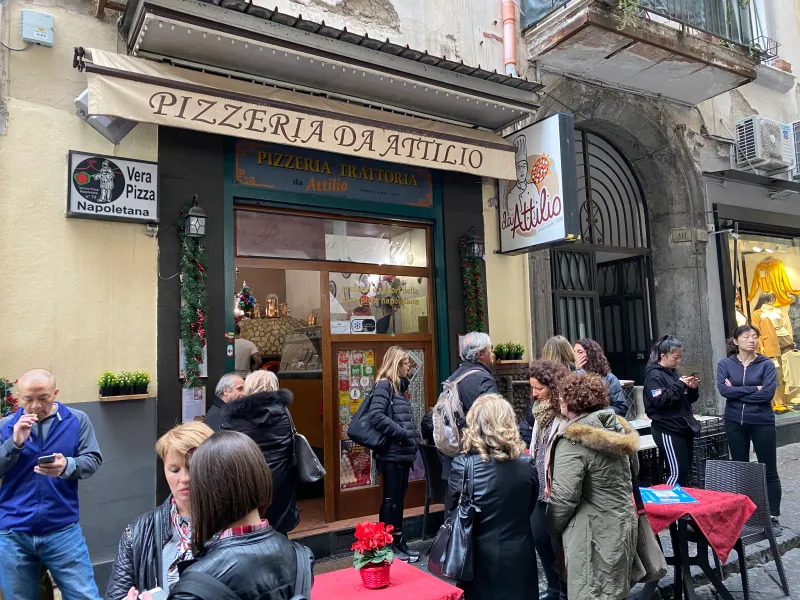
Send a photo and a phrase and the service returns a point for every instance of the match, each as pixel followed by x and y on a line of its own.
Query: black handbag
pixel 306 464
pixel 361 430
pixel 451 554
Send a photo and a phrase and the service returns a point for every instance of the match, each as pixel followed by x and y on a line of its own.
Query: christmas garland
pixel 472 283
pixel 8 403
pixel 193 301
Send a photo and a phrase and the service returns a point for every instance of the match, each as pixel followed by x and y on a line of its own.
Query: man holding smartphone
pixel 45 448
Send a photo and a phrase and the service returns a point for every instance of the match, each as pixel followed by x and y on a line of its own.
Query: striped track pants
pixel 677 453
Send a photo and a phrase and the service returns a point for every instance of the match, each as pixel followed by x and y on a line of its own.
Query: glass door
pixel 351 288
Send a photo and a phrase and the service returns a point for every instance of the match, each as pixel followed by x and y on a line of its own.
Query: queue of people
pixel 558 484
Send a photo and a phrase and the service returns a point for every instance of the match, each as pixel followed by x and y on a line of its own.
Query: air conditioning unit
pixel 764 145
pixel 796 136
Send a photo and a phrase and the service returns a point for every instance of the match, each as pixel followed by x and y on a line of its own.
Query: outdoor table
pixel 716 520
pixel 406 582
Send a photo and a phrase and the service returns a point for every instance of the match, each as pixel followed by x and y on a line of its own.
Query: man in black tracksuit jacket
pixel 668 402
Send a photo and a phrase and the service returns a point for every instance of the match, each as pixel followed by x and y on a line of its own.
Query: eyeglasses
pixel 188 456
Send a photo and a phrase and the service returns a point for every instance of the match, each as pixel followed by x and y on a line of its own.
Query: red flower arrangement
pixel 8 403
pixel 372 545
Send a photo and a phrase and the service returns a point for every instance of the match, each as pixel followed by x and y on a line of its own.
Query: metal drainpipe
pixel 510 37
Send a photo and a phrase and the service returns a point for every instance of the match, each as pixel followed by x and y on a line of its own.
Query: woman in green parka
pixel 591 455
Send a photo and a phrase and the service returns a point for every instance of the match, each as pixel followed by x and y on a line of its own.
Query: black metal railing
pixel 728 20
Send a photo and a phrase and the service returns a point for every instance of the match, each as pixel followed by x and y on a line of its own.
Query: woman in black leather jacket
pixel 140 563
pixel 263 416
pixel 233 546
pixel 504 486
pixel 390 413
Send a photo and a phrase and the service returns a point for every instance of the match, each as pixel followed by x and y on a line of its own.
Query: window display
pixel 389 303
pixel 766 273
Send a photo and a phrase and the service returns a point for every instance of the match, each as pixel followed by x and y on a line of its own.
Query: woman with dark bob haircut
pixel 593 454
pixel 591 358
pixel 231 543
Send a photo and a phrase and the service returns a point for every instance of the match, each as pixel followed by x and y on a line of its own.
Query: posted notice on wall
pixel 112 188
pixel 193 404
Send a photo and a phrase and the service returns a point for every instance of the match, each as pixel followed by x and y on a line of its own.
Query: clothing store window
pixel 766 273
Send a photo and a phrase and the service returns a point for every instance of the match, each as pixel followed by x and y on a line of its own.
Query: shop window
pixel 264 234
pixel 382 304
pixel 766 273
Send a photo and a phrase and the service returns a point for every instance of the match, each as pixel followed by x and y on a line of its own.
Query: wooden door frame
pixel 330 400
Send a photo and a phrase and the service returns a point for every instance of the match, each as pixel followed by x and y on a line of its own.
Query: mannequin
pixel 775 339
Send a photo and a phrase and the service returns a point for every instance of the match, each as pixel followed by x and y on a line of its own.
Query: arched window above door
pixel 612 209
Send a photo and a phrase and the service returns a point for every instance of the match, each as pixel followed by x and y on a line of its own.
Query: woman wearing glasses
pixel 148 555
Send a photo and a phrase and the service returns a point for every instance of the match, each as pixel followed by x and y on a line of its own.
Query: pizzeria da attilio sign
pixel 112 188
pixel 540 208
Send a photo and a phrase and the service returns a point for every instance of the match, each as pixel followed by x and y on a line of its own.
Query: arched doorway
pixel 602 285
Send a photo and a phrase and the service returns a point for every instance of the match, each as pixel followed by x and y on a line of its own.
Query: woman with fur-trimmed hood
pixel 591 455
pixel 263 416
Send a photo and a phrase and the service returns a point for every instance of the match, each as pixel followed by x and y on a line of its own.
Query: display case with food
pixel 302 352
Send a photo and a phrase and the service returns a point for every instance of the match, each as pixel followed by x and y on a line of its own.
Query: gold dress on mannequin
pixel 775 339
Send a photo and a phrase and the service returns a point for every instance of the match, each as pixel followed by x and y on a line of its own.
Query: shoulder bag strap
pixel 203 587
pixel 158 548
pixel 302 585
pixel 637 495
pixel 465 375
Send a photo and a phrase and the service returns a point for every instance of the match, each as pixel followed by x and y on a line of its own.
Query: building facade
pixel 660 90
pixel 333 235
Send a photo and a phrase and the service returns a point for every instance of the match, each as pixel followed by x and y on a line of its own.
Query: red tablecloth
pixel 719 515
pixel 407 582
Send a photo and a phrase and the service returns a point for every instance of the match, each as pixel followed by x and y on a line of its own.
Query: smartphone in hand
pixel 157 594
pixel 46 460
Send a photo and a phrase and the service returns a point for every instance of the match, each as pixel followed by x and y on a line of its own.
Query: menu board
pixel 357 468
pixel 356 378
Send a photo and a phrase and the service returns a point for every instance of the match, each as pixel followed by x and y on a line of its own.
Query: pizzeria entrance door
pixel 331 295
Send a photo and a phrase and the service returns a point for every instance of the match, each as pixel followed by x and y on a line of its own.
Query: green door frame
pixel 243 194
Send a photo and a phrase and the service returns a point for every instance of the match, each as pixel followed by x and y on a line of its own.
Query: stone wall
pixel 512 380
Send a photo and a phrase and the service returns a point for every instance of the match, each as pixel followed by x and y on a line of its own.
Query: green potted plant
pixel 125 383
pixel 108 384
pixel 519 350
pixel 141 379
pixel 501 351
pixel 373 554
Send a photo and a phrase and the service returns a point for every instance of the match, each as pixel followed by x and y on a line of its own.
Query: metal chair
pixel 435 486
pixel 749 479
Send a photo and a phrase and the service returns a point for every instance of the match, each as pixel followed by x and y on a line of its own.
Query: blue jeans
pixel 63 552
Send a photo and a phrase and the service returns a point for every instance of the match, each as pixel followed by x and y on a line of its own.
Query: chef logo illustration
pixel 99 180
pixel 533 201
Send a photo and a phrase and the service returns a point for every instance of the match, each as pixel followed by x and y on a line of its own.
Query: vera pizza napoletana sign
pixel 540 208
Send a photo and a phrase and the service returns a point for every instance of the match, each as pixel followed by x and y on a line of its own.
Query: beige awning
pixel 152 92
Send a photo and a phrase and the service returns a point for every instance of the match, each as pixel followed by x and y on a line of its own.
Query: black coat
pixel 257 566
pixel 390 413
pixel 505 493
pixel 668 402
pixel 476 385
pixel 136 563
pixel 214 415
pixel 264 418
pixel 526 425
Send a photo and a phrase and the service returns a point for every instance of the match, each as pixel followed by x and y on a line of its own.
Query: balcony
pixel 683 51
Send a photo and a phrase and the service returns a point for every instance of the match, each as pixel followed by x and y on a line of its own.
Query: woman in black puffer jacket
pixel 263 416
pixel 390 413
